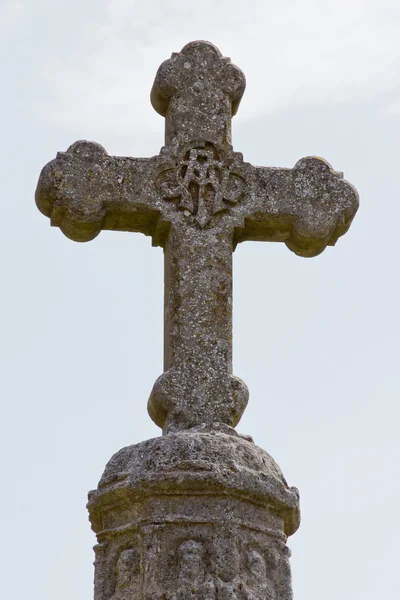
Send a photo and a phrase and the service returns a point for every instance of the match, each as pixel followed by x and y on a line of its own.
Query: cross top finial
pixel 198 91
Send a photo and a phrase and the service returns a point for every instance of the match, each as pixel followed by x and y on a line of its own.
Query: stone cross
pixel 197 199
pixel 199 513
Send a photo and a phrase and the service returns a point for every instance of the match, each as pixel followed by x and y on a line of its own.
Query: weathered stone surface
pixel 197 91
pixel 197 199
pixel 205 513
pixel 200 513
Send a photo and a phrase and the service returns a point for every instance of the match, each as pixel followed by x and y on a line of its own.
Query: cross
pixel 197 199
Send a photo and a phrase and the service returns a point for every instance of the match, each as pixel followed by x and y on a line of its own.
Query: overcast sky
pixel 316 340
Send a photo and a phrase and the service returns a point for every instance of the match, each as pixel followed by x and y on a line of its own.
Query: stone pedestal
pixel 203 515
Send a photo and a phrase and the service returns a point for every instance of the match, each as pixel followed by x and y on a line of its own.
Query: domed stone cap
pixel 198 463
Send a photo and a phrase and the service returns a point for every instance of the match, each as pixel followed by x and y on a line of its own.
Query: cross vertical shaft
pixel 198 282
pixel 197 385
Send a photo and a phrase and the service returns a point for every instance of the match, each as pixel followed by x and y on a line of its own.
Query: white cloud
pixel 297 52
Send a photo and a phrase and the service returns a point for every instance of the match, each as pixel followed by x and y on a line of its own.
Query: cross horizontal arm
pixel 307 207
pixel 84 190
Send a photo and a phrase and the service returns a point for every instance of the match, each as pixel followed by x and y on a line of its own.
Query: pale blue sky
pixel 316 340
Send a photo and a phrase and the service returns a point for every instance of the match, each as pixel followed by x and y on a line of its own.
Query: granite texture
pixel 199 513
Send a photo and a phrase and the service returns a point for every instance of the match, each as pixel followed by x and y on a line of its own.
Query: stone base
pixel 201 515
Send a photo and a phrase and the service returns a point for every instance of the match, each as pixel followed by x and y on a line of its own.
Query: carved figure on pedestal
pixel 127 573
pixel 258 585
pixel 228 581
pixel 194 582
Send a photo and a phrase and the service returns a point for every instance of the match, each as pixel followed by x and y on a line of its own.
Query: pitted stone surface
pixel 193 461
pixel 197 199
pixel 200 513
pixel 198 91
pixel 205 513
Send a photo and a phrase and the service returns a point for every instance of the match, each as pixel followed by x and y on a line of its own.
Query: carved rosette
pixel 203 181
pixel 202 515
